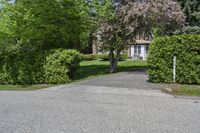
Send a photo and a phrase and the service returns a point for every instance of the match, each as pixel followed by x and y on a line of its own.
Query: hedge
pixel 186 48
pixel 88 57
pixel 61 66
pixel 105 57
pixel 37 66
pixel 22 67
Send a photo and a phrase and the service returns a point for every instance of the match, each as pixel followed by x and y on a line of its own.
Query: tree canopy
pixel 117 30
pixel 192 10
pixel 47 24
pixel 31 29
pixel 44 23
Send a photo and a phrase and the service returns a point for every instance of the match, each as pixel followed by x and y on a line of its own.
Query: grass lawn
pixel 90 69
pixel 24 87
pixel 187 90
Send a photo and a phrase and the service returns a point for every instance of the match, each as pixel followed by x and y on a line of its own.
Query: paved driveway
pixel 96 109
pixel 137 80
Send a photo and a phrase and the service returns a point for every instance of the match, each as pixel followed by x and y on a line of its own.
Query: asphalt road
pixel 96 109
pixel 136 79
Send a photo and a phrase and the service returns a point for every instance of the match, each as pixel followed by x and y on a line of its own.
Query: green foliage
pixel 116 33
pixel 124 56
pixel 30 29
pixel 187 50
pixel 105 57
pixel 105 8
pixel 192 10
pixel 25 87
pixel 44 23
pixel 188 30
pixel 36 67
pixel 61 66
pixel 22 67
pixel 88 57
pixel 187 90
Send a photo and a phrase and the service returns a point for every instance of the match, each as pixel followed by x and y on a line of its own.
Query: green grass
pixel 24 87
pixel 187 90
pixel 94 68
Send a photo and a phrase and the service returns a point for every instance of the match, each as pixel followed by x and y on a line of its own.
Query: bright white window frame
pixel 147 49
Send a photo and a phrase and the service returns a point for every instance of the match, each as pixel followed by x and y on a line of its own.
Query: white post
pixel 174 69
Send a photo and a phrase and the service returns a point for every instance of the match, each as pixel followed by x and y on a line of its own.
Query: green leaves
pixel 37 67
pixel 48 23
pixel 187 50
pixel 30 29
pixel 61 66
pixel 192 10
pixel 119 26
pixel 103 9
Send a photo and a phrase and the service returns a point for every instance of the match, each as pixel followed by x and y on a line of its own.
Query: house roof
pixel 143 41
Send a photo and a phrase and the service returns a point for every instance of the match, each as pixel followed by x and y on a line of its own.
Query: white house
pixel 139 51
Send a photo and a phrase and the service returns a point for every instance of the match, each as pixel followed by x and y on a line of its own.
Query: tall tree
pixel 118 25
pixel 43 23
pixel 192 10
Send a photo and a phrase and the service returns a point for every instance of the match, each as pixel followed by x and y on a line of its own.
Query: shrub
pixel 105 57
pixel 35 67
pixel 22 67
pixel 124 56
pixel 160 60
pixel 61 66
pixel 88 57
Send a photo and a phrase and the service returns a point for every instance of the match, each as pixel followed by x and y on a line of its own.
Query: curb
pixel 169 91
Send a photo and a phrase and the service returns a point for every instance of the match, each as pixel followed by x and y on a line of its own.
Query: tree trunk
pixel 114 61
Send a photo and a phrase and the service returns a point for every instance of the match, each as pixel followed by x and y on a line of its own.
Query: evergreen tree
pixel 192 10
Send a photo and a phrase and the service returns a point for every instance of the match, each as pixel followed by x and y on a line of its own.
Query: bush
pixel 36 67
pixel 23 67
pixel 105 57
pixel 61 66
pixel 160 60
pixel 88 57
pixel 124 56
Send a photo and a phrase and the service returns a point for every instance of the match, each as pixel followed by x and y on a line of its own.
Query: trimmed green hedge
pixel 88 57
pixel 22 67
pixel 105 57
pixel 160 60
pixel 37 66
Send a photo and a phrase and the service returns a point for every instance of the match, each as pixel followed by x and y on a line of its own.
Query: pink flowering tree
pixel 116 31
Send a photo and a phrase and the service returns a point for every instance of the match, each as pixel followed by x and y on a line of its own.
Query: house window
pixel 137 49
